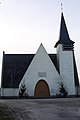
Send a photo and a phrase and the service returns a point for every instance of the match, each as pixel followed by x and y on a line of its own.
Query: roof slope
pixel 13 69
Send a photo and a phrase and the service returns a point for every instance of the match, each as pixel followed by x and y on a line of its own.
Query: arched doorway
pixel 42 89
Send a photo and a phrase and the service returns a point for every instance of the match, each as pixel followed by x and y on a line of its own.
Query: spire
pixel 63 30
pixel 64 36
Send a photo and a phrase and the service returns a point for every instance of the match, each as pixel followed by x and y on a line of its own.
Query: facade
pixel 41 74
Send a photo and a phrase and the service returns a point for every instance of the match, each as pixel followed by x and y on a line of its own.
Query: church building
pixel 41 74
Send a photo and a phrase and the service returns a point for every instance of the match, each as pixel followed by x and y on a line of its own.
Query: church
pixel 41 74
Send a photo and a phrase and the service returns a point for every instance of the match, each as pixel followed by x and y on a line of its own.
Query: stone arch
pixel 42 89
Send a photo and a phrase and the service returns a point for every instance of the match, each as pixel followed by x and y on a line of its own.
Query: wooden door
pixel 42 89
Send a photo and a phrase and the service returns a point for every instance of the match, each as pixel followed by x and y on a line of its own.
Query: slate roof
pixel 14 67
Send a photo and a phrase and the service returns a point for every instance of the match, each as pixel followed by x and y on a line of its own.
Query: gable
pixel 41 67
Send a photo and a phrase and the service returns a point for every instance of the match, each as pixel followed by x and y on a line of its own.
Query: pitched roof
pixel 15 66
pixel 64 36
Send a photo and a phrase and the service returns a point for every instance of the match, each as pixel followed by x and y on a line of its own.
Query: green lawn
pixel 5 113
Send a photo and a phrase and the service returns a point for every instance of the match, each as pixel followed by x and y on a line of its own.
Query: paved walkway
pixel 45 109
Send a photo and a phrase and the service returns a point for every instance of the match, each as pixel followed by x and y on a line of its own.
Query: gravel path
pixel 45 109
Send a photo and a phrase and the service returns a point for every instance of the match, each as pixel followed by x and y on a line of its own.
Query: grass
pixel 6 113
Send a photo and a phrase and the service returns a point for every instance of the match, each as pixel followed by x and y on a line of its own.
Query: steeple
pixel 64 36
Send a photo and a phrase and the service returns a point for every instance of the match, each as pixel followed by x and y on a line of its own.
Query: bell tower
pixel 66 59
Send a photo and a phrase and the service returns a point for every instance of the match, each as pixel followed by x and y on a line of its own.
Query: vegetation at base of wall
pixel 5 113
pixel 22 92
pixel 62 91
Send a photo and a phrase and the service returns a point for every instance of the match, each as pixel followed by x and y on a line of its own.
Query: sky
pixel 25 24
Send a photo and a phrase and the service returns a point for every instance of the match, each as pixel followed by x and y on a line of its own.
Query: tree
pixel 62 90
pixel 22 92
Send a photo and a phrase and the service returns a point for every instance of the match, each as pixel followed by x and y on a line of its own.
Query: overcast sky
pixel 24 24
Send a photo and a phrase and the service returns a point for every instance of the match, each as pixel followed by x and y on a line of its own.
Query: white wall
pixel 9 92
pixel 66 69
